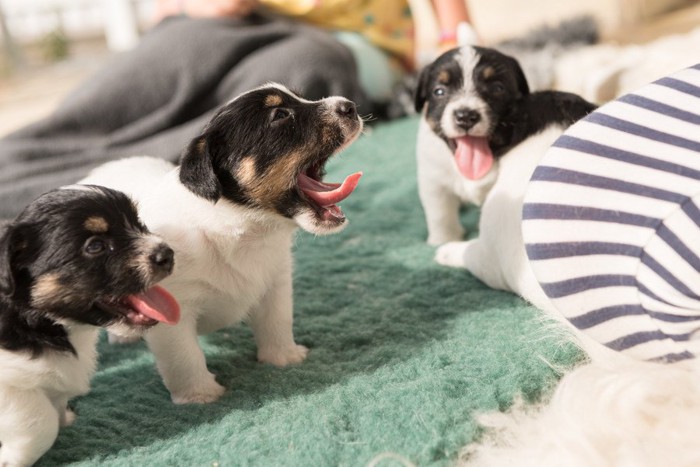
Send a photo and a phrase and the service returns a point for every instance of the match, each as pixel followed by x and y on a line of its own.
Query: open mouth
pixel 473 156
pixel 145 309
pixel 324 197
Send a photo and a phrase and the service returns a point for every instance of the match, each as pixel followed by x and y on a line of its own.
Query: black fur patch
pixel 534 113
pixel 254 147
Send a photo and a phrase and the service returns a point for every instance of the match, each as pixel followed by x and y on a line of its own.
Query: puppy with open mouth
pixel 76 259
pixel 475 107
pixel 230 211
pixel 482 135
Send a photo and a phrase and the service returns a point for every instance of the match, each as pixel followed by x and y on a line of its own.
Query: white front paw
pixel 202 393
pixel 283 357
pixel 452 254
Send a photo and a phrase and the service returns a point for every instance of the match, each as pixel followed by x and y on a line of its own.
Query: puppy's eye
pixel 278 114
pixel 497 88
pixel 94 246
pixel 439 91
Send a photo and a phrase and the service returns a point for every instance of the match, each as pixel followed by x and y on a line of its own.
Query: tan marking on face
pixel 201 146
pixel 443 77
pixel 49 291
pixel 96 224
pixel 246 172
pixel 488 72
pixel 273 100
pixel 267 187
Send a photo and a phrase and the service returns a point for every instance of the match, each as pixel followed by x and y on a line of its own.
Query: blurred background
pixel 49 46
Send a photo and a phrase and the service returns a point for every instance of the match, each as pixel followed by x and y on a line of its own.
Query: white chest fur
pixel 443 189
pixel 57 373
pixel 34 393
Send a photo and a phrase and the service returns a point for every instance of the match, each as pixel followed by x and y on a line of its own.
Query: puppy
pixel 517 128
pixel 230 211
pixel 475 107
pixel 74 260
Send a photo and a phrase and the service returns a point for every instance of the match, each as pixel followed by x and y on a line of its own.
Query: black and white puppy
pixel 230 211
pixel 476 106
pixel 76 259
pixel 482 134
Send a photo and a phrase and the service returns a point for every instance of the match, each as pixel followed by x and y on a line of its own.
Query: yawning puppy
pixel 74 260
pixel 476 106
pixel 230 211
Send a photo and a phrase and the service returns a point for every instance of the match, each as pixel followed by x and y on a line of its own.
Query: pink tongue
pixel 473 156
pixel 328 194
pixel 156 303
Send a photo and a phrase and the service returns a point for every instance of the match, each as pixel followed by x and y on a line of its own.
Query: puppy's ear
pixel 197 170
pixel 421 93
pixel 520 77
pixel 11 241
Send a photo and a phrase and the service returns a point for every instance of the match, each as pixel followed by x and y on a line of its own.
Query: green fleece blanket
pixel 404 353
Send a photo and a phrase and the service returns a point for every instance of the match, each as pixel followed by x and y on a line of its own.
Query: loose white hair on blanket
pixel 641 414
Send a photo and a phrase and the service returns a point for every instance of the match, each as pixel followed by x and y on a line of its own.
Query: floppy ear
pixel 10 242
pixel 520 77
pixel 421 93
pixel 197 171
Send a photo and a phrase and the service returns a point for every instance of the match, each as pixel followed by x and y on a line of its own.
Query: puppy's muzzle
pixel 346 109
pixel 466 118
pixel 162 261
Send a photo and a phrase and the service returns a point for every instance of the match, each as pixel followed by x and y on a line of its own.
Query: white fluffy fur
pixel 34 394
pixel 627 415
pixel 612 411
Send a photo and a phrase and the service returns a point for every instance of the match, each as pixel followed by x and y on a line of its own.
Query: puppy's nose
pixel 346 109
pixel 163 258
pixel 466 118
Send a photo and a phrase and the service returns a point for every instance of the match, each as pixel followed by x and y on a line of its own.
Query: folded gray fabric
pixel 154 99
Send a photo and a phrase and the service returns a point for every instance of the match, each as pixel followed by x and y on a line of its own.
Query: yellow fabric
pixel 386 23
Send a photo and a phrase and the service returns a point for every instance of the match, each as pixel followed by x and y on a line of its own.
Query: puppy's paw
pixel 202 394
pixel 452 254
pixel 67 418
pixel 122 340
pixel 283 357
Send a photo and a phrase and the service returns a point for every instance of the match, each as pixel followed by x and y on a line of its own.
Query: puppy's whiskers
pixel 368 118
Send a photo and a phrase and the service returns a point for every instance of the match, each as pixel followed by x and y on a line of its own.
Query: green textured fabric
pixel 404 352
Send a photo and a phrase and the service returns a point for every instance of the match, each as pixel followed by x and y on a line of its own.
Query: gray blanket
pixel 154 99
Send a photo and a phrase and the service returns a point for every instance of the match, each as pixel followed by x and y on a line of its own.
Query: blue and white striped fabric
pixel 611 221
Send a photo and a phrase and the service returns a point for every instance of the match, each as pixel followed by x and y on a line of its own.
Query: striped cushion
pixel 611 221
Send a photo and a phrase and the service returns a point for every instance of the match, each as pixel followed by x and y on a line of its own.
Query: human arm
pixel 450 15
